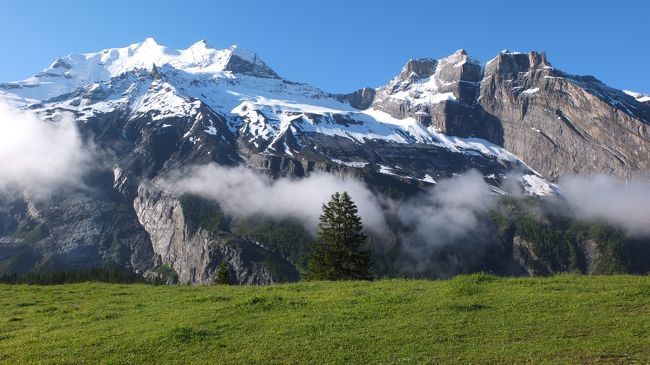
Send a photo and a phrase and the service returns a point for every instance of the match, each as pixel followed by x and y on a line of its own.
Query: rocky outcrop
pixel 361 99
pixel 581 125
pixel 196 253
pixel 591 254
pixel 248 63
pixel 587 254
pixel 71 230
pixel 523 253
pixel 521 102
pixel 440 94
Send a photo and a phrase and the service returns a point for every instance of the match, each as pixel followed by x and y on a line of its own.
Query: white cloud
pixel 446 214
pixel 625 204
pixel 37 156
pixel 241 192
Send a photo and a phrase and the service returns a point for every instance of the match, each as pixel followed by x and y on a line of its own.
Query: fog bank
pixel 241 192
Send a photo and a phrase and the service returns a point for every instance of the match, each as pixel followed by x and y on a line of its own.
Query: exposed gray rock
pixel 362 98
pixel 72 230
pixel 247 66
pixel 592 254
pixel 521 102
pixel 580 125
pixel 418 69
pixel 441 94
pixel 196 254
pixel 523 253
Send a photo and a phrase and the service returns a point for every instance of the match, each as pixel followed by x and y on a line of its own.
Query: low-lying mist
pixel 622 203
pixel 448 213
pixel 242 192
pixel 451 213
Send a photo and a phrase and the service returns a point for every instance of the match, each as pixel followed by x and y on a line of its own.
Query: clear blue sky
pixel 341 45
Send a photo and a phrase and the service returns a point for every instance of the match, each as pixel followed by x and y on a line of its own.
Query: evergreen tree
pixel 223 274
pixel 339 254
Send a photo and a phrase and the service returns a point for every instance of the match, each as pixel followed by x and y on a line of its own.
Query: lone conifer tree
pixel 223 274
pixel 339 254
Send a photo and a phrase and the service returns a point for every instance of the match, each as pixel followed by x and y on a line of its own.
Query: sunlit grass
pixel 469 319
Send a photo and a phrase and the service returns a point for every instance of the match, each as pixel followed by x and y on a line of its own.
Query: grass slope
pixel 475 319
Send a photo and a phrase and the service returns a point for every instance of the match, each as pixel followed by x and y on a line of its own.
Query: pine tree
pixel 223 274
pixel 340 253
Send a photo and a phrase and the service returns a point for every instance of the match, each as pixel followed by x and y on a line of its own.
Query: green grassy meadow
pixel 475 319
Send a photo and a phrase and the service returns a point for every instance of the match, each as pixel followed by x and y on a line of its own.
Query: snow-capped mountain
pixel 69 73
pixel 269 114
pixel 153 110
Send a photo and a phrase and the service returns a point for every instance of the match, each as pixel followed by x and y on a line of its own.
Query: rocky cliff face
pixel 73 230
pixel 441 94
pixel 519 101
pixel 582 125
pixel 195 252
pixel 525 255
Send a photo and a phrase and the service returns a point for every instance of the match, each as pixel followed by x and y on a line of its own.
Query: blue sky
pixel 341 45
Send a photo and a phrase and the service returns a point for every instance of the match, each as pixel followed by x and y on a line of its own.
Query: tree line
pixel 106 274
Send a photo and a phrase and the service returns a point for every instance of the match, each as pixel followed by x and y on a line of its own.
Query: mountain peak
pixel 533 58
pixel 460 52
pixel 243 53
pixel 78 69
pixel 641 98
pixel 200 45
pixel 246 62
pixel 419 68
pixel 150 40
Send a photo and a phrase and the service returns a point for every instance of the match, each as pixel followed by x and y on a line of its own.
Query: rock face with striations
pixel 519 101
pixel 195 252
pixel 581 125
pixel 72 230
pixel 441 94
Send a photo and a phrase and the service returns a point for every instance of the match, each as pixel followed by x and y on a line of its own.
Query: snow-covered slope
pixel 638 96
pixel 260 107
